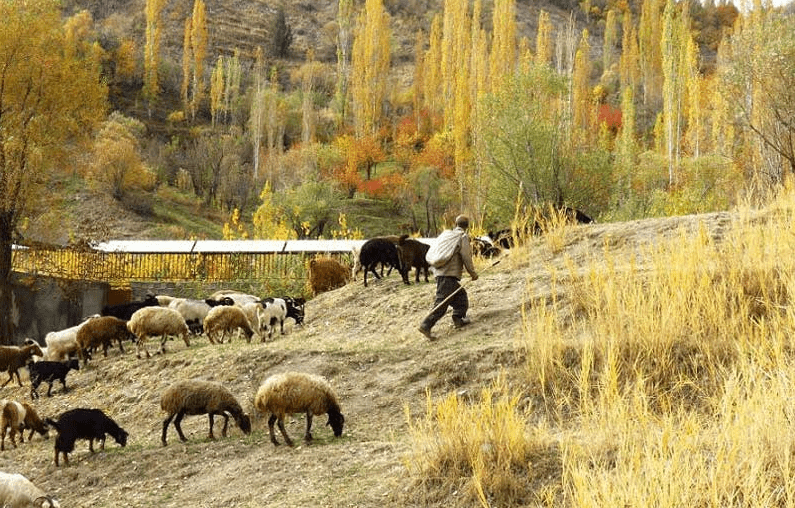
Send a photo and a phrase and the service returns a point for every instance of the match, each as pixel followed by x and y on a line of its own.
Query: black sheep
pixel 413 255
pixel 125 310
pixel 378 250
pixel 82 423
pixel 47 371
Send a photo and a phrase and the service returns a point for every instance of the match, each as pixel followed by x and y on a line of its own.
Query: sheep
pixel 48 371
pixel 12 358
pixel 63 343
pixel 157 321
pixel 223 319
pixel 273 310
pixel 294 392
pixel 166 300
pixel 326 274
pixel 413 255
pixel 16 491
pixel 83 423
pixel 238 297
pixel 194 311
pixel 12 416
pixel 124 311
pixel 198 397
pixel 375 251
pixel 101 331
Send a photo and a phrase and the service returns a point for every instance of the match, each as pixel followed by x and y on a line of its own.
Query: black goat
pixel 47 371
pixel 295 308
pixel 82 423
pixel 125 310
pixel 379 250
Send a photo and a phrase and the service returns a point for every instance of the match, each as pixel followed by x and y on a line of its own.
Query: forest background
pixel 332 119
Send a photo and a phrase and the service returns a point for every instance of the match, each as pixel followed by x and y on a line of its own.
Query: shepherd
pixel 448 257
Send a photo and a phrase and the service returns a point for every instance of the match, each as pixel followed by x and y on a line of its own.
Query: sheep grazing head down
pixel 336 421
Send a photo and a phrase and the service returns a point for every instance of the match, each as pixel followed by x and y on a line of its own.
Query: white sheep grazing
pixel 252 310
pixel 12 419
pixel 237 297
pixel 194 311
pixel 297 392
pixel 157 322
pixel 198 397
pixel 226 318
pixel 274 310
pixel 63 343
pixel 166 300
pixel 16 491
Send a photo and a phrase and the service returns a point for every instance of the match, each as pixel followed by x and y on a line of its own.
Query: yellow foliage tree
pixel 116 162
pixel 154 10
pixel 50 102
pixel 370 64
pixel 198 43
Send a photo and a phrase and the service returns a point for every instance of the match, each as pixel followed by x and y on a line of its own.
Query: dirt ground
pixel 364 340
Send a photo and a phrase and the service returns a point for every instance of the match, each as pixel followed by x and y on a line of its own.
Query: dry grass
pixel 646 363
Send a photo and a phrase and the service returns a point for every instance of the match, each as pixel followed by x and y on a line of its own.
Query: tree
pixel 344 15
pixel 370 67
pixel 198 44
pixel 281 35
pixel 154 9
pixel 116 162
pixel 46 98
pixel 521 144
pixel 757 81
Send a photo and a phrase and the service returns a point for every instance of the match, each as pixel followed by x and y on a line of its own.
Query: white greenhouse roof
pixel 247 246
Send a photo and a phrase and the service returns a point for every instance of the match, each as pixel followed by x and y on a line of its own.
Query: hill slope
pixel 365 341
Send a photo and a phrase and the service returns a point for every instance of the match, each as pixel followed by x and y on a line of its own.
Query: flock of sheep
pixel 219 317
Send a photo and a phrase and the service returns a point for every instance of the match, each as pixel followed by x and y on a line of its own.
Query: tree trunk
pixel 6 323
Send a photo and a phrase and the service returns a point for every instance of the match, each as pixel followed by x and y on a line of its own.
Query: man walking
pixel 448 280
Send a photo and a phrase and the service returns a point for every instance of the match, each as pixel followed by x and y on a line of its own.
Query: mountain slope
pixel 365 341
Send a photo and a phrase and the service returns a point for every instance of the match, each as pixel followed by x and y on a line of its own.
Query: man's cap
pixel 462 221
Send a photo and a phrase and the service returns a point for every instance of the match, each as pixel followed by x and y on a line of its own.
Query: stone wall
pixel 45 304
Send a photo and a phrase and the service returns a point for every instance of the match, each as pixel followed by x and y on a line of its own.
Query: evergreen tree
pixel 281 35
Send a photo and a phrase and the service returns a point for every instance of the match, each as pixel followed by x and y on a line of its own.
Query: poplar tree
pixel 307 112
pixel 370 67
pixel 230 95
pixel 582 105
pixel 187 65
pixel 629 61
pixel 503 43
pixel 544 39
pixel 433 66
pixel 344 35
pixel 610 38
pixel 649 37
pixel 217 90
pixel 198 42
pixel 153 10
pixel 257 114
pixel 676 31
pixel 418 83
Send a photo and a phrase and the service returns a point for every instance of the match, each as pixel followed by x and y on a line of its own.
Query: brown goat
pixel 12 358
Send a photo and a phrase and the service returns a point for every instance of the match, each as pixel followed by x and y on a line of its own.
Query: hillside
pixel 364 340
